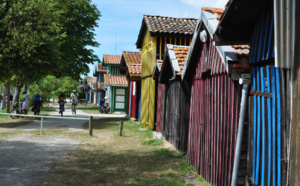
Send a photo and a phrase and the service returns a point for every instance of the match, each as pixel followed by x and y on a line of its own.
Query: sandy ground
pixel 25 158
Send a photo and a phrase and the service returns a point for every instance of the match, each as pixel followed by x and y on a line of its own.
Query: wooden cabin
pixel 131 67
pixel 177 100
pixel 116 83
pixel 90 89
pixel 160 108
pixel 155 33
pixel 99 72
pixel 270 96
pixel 210 75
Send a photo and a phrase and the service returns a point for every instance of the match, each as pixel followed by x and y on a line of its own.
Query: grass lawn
pixel 107 159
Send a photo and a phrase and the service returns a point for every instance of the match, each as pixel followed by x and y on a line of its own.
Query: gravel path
pixel 25 159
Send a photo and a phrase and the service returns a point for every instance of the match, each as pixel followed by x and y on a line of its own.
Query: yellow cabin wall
pixel 148 83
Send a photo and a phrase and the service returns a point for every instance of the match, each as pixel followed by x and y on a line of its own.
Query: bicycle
pixel 61 108
pixel 16 110
pixel 37 108
pixel 83 102
pixel 74 103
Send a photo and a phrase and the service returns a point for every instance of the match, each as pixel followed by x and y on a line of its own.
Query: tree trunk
pixel 4 99
pixel 17 93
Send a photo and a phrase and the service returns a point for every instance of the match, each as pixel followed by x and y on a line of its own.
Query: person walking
pixel 25 102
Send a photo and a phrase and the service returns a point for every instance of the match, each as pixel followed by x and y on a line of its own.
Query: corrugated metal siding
pixel 284 12
pixel 262 45
pixel 160 107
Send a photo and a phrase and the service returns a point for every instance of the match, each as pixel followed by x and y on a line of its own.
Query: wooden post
pixel 121 128
pixel 8 98
pixel 91 126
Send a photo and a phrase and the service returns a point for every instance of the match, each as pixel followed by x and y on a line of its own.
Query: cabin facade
pixel 116 83
pixel 269 101
pixel 210 74
pixel 176 99
pixel 99 87
pixel 131 67
pixel 155 33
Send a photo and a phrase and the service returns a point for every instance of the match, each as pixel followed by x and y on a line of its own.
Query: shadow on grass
pixel 105 123
pixel 16 123
pixel 157 167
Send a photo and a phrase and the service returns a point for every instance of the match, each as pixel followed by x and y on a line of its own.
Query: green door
pixel 121 99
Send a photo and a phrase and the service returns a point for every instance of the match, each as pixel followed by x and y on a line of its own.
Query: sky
pixel 121 20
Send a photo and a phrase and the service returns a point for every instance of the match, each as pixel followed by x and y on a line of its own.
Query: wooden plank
pixel 263 127
pixel 283 125
pixel 269 126
pixel 278 128
pixel 273 123
pixel 258 130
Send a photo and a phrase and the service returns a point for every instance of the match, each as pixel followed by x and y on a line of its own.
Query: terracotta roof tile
pixel 91 80
pixel 134 69
pixel 112 59
pixel 217 12
pixel 172 25
pixel 181 54
pixel 101 69
pixel 241 50
pixel 115 80
pixel 132 58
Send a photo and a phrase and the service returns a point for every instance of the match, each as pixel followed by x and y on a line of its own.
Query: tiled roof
pixel 134 69
pixel 181 53
pixel 112 59
pixel 101 69
pixel 162 25
pixel 115 80
pixel 217 12
pixel 241 50
pixel 132 58
pixel 133 61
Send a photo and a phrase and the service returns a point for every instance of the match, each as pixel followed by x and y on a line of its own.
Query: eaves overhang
pixel 236 25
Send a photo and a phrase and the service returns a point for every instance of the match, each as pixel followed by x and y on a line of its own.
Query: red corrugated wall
pixel 213 122
pixel 160 107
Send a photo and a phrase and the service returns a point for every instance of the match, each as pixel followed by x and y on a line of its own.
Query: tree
pixel 40 38
pixel 80 20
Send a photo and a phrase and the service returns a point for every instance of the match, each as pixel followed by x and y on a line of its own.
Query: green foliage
pixel 153 142
pixel 40 38
pixel 50 86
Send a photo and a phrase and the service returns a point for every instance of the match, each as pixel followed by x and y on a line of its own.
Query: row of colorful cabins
pixel 224 104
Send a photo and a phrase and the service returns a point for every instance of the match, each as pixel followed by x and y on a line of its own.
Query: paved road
pixel 25 158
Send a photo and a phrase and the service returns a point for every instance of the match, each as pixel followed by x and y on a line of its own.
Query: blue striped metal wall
pixel 262 46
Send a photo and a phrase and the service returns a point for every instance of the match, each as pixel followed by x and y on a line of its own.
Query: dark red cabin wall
pixel 214 108
pixel 160 107
pixel 133 99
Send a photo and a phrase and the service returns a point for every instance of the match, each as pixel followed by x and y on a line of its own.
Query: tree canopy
pixel 40 38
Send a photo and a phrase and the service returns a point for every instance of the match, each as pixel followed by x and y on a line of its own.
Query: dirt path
pixel 25 158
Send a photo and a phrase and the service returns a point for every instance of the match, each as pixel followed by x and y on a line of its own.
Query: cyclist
pixel 74 98
pixel 61 101
pixel 37 101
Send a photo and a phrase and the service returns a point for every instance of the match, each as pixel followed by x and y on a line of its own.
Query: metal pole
pixel 91 126
pixel 246 83
pixel 42 122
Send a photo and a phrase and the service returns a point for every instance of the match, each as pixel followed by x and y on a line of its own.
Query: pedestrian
pixel 25 102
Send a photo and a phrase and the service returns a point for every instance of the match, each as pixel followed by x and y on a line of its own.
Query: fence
pixel 90 119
